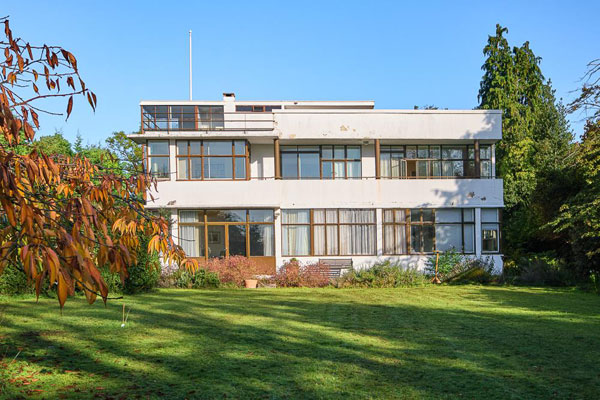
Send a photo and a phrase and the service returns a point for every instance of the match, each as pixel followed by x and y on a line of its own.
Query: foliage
pixel 232 270
pixel 588 100
pixel 539 269
pixel 199 279
pixel 293 274
pixel 127 151
pixel 145 273
pixel 63 217
pixel 383 275
pixel 14 281
pixel 472 270
pixel 54 145
pixel 447 262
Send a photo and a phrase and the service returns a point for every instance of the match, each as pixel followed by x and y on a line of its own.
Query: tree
pixel 127 151
pixel 535 140
pixel 588 100
pixel 54 145
pixel 62 217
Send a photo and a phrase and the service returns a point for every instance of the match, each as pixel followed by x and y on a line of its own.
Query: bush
pixel 233 270
pixel 382 275
pixel 200 279
pixel 472 270
pixel 448 261
pixel 292 274
pixel 14 281
pixel 540 269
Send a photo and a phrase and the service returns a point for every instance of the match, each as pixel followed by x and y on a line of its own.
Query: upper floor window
pixel 256 108
pixel 159 117
pixel 490 230
pixel 433 161
pixel 321 162
pixel 158 158
pixel 212 159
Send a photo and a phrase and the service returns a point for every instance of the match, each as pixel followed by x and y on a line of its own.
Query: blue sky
pixel 398 53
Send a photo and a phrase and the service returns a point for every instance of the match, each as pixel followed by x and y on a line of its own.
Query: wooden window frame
pixel 312 224
pixel 213 109
pixel 322 160
pixel 147 162
pixel 202 156
pixel 204 223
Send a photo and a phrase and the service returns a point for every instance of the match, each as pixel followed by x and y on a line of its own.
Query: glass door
pixel 216 241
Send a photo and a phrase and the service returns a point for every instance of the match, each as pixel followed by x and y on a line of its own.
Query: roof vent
pixel 228 96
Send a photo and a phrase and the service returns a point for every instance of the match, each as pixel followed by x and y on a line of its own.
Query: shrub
pixel 112 280
pixel 448 261
pixel 233 270
pixel 382 275
pixel 292 274
pixel 200 279
pixel 14 281
pixel 472 270
pixel 144 275
pixel 541 269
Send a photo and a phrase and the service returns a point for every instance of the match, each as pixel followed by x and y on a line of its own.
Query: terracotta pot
pixel 250 283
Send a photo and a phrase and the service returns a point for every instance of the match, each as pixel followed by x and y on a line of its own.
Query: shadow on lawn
pixel 270 344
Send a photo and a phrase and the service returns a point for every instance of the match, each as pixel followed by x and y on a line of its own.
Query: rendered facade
pixel 324 180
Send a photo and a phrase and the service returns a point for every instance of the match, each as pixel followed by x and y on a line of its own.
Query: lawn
pixel 432 342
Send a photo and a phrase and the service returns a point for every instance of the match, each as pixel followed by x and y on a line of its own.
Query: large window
pixel 223 233
pixel 420 231
pixel 321 232
pixel 158 118
pixel 321 162
pixel 490 230
pixel 158 158
pixel 433 161
pixel 256 108
pixel 212 159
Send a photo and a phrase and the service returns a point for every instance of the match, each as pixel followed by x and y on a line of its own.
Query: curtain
pixel 358 238
pixel 319 240
pixel 188 238
pixel 296 240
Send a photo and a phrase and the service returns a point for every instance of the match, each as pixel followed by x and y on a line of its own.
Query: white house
pixel 324 180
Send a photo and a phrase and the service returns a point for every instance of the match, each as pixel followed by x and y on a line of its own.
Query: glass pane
pixel 340 169
pixel 453 152
pixel 457 168
pixel 226 215
pixel 389 244
pixel 448 215
pixel 468 215
pixel 384 162
pixel 332 240
pixel 415 215
pixel 411 151
pixel 313 149
pixel 447 168
pixel 448 237
pixel 357 239
pixel 158 147
pixel 240 147
pixel 327 152
pixel 218 168
pixel 182 147
pixel 485 152
pixel 400 215
pixel 188 117
pixel 216 240
pixel 489 215
pixel 338 152
pixel 422 169
pixel 388 215
pixel 319 240
pixel 159 167
pixel 327 170
pixel 486 169
pixel 288 148
pixel 470 169
pixel 289 166
pixel 436 168
pixel 296 240
pixel 353 169
pixel 398 167
pixel 295 216
pixel 188 216
pixel 261 215
pixel 427 215
pixel 237 240
pixel 262 240
pixel 353 152
pixel 195 146
pixel 216 148
pixel 308 164
pixel 357 216
pixel 162 116
pixel 175 122
pixel 182 168
pixel 240 168
pixel 471 152
pixel 332 217
pixel 148 117
pixel 191 239
pixel 400 239
pixel 196 163
pixel 318 216
pixel 489 237
pixel 469 234
pixel 434 152
pixel 423 152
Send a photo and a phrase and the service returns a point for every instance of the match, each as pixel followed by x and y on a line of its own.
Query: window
pixel 328 232
pixel 158 118
pixel 158 158
pixel 434 161
pixel 256 108
pixel 212 159
pixel 418 231
pixel 490 230
pixel 321 162
pixel 223 233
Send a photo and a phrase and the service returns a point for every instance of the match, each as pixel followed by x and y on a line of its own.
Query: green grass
pixel 432 342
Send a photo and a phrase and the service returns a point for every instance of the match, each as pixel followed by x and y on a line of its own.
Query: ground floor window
pixel 328 232
pixel 418 231
pixel 490 230
pixel 223 233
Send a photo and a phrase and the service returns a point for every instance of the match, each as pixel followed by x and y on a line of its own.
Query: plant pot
pixel 250 283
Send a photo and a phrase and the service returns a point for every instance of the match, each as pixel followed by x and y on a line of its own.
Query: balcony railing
pixel 203 118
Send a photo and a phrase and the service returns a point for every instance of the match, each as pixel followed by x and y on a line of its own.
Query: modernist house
pixel 324 180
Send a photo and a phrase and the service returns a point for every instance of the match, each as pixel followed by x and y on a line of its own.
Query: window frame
pixel 285 149
pixel 497 224
pixel 147 159
pixel 150 122
pixel 202 156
